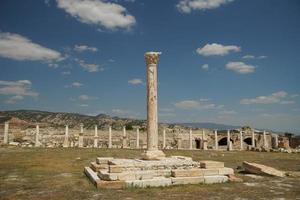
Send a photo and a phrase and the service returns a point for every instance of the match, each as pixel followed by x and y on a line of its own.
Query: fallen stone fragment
pixel 255 168
pixel 233 178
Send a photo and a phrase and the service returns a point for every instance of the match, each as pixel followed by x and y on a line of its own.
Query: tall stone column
pixel 204 140
pixel 265 140
pixel 241 140
pixel 6 127
pixel 191 139
pixel 109 137
pixel 96 137
pixel 66 140
pixel 152 152
pixel 124 141
pixel 253 139
pixel 164 138
pixel 37 132
pixel 216 140
pixel 229 144
pixel 137 138
pixel 276 141
pixel 80 139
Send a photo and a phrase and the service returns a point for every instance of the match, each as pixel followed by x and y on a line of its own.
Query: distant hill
pixel 209 126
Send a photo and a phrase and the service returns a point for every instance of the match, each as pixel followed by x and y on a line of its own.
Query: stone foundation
pixel 113 173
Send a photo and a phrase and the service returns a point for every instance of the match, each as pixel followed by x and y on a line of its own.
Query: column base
pixel 153 155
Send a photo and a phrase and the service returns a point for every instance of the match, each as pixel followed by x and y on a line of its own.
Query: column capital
pixel 152 57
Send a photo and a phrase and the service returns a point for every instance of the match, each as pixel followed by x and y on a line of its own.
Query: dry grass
pixel 58 174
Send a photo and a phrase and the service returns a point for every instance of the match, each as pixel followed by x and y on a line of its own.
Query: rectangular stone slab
pixel 187 180
pixel 262 169
pixel 209 164
pixel 226 171
pixel 155 182
pixel 215 179
pixel 92 175
pixel 194 172
pixel 96 167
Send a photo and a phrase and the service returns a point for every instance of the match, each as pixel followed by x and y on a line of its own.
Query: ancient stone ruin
pixel 153 169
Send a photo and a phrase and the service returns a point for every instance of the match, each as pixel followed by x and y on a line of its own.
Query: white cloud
pixel 285 102
pixel 83 105
pixel 66 73
pixel 194 104
pixel 253 57
pixel 205 67
pixel 90 67
pixel 85 97
pixel 294 95
pixel 186 6
pixel 98 12
pixel 81 48
pixel 248 57
pixel 17 90
pixel 215 49
pixel 135 81
pixel 17 47
pixel 74 85
pixel 276 97
pixel 228 112
pixel 240 67
pixel 14 99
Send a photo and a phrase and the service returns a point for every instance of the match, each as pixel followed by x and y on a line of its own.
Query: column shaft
pixel 137 138
pixel 6 138
pixel 109 138
pixel 216 140
pixel 37 131
pixel 191 139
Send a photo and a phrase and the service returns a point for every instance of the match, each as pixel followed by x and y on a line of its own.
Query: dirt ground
pixel 36 173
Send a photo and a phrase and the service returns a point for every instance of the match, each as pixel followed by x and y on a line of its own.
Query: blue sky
pixel 225 61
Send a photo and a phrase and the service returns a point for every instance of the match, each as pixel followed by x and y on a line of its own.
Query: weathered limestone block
pixel 103 160
pixel 155 182
pixel 186 173
pixel 208 164
pixel 262 169
pixel 104 175
pixel 226 171
pixel 111 184
pixel 96 167
pixel 215 179
pixel 187 180
pixel 115 169
pixel 92 175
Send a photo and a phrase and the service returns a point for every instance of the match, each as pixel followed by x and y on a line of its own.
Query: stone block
pixel 215 179
pixel 210 172
pixel 226 171
pixel 155 182
pixel 144 175
pixel 111 184
pixel 262 169
pixel 103 160
pixel 104 175
pixel 115 169
pixel 187 180
pixel 186 172
pixel 92 175
pixel 209 164
pixel 96 167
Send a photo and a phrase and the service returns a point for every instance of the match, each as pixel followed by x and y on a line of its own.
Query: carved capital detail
pixel 152 57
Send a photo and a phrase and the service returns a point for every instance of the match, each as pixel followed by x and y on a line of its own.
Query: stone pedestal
pixel 152 152
pixel 6 139
pixel 66 139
